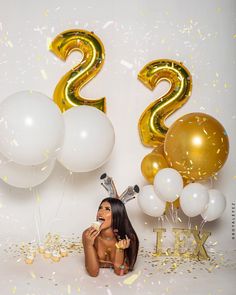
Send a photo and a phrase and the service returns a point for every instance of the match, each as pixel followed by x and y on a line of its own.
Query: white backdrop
pixel 201 34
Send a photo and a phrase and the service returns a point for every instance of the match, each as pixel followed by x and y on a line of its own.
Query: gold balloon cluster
pixel 196 145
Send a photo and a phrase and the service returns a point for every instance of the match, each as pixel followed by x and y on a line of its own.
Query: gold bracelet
pixel 119 248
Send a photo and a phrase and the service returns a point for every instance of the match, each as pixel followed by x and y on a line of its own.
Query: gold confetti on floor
pixel 131 279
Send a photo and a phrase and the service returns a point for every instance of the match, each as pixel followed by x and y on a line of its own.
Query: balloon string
pixel 175 213
pixel 73 199
pixel 202 225
pixel 37 219
pixel 189 223
pixel 167 219
pixel 170 215
pixel 211 179
pixel 160 220
pixel 60 202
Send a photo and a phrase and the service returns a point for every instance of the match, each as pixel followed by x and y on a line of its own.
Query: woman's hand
pixel 123 244
pixel 89 236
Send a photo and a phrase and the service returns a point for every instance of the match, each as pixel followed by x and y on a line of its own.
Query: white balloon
pixel 24 176
pixel 89 139
pixel 31 128
pixel 168 184
pixel 149 202
pixel 215 206
pixel 194 199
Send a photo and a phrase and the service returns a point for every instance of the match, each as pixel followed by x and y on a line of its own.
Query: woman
pixel 115 244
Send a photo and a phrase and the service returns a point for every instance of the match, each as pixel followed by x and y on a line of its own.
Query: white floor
pixel 152 275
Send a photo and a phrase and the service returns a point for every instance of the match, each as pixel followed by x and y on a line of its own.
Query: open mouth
pixel 101 219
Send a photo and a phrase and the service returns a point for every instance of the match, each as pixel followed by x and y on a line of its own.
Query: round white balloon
pixel 24 176
pixel 194 199
pixel 168 184
pixel 89 139
pixel 215 206
pixel 149 202
pixel 31 128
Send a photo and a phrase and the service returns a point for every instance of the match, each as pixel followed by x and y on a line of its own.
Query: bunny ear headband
pixel 128 194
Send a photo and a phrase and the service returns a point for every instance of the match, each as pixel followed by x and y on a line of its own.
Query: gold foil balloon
pixel 151 164
pixel 67 92
pixel 152 128
pixel 197 146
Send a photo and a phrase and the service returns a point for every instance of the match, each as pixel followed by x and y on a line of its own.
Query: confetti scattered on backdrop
pixel 202 35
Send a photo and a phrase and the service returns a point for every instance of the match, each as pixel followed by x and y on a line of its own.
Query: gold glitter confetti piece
pixel 46 12
pixel 38 198
pixel 226 85
pixel 44 75
pixel 174 265
pixel 49 41
pixel 33 275
pixel 205 131
pixel 14 290
pixel 131 279
pixel 68 289
pixel 78 289
pixel 234 36
pixel 10 44
pixel 4 178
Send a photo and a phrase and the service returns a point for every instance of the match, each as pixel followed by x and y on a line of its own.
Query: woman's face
pixel 104 214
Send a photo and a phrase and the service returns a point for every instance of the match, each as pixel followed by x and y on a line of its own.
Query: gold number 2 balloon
pixel 67 91
pixel 152 128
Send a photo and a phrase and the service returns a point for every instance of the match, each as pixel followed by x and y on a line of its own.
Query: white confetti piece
pixel 107 24
pixel 126 64
pixel 131 279
pixel 44 75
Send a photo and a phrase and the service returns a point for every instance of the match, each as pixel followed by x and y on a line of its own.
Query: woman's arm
pixel 120 265
pixel 91 258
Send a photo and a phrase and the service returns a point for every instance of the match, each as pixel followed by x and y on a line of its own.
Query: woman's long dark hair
pixel 122 226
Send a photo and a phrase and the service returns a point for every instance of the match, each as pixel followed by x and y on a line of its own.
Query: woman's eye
pixel 108 209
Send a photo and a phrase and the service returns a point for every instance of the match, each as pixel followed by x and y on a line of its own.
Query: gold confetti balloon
pixel 197 146
pixel 152 163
